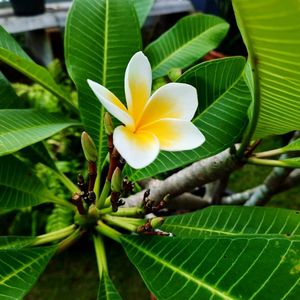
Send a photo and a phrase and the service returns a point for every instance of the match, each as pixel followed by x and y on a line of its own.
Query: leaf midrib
pixel 179 271
pixel 15 272
pixel 154 68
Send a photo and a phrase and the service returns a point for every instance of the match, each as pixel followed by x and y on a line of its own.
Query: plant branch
pixel 197 174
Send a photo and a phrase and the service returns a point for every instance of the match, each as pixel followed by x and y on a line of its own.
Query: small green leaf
pixel 100 38
pixel 22 127
pixel 60 218
pixel 190 39
pixel 293 146
pixel 107 290
pixel 19 187
pixel 20 270
pixel 13 55
pixel 224 98
pixel 142 8
pixel 38 153
pixel 8 97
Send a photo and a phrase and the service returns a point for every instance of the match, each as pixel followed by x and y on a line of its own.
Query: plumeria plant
pixel 152 153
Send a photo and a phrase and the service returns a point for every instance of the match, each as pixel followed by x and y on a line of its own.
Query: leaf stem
pixel 53 236
pixel 70 240
pixel 129 212
pixel 106 230
pixel 268 153
pixel 104 194
pixel 100 254
pixel 60 201
pixel 120 222
pixel 266 162
pixel 73 188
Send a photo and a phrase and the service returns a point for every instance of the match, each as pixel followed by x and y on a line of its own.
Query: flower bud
pixel 116 181
pixel 156 222
pixel 89 148
pixel 108 124
pixel 174 74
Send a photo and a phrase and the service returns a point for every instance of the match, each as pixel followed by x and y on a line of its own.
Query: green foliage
pixel 142 8
pixel 237 254
pixel 224 98
pixel 20 269
pixel 59 218
pixel 13 55
pixel 19 186
pixel 98 46
pixel 107 290
pixel 272 38
pixel 23 127
pixel 190 39
pixel 14 242
pixel 8 99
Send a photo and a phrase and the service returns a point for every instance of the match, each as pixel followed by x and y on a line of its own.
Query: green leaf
pixel 223 253
pixel 224 98
pixel 15 242
pixel 142 8
pixel 38 153
pixel 8 97
pixel 190 39
pixel 19 187
pixel 100 38
pixel 221 268
pixel 271 33
pixel 60 218
pixel 20 270
pixel 291 162
pixel 107 290
pixel 293 146
pixel 22 127
pixel 234 221
pixel 13 55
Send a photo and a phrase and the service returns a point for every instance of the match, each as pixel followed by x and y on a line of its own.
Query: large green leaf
pixel 100 38
pixel 8 97
pixel 222 253
pixel 142 8
pixel 217 268
pixel 19 187
pixel 224 98
pixel 13 55
pixel 107 290
pixel 234 221
pixel 20 270
pixel 22 127
pixel 191 38
pixel 271 33
pixel 15 242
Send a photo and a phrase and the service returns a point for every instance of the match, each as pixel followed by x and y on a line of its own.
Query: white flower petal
pixel 175 135
pixel 138 80
pixel 138 149
pixel 111 103
pixel 173 100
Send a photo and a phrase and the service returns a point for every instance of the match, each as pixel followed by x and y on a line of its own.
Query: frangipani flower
pixel 151 123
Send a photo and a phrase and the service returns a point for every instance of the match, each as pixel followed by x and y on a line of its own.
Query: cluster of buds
pixel 150 206
pixel 151 227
